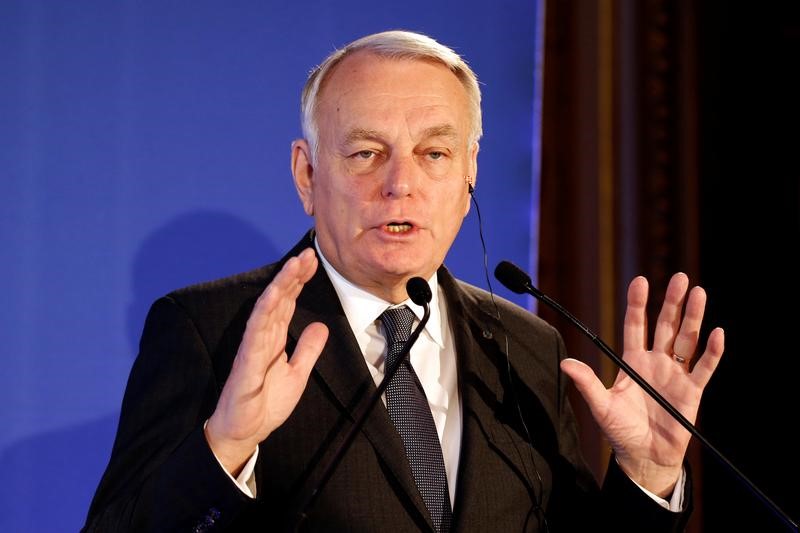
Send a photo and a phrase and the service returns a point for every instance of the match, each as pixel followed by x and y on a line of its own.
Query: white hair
pixel 395 44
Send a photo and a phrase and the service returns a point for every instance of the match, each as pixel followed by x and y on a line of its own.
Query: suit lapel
pixel 342 369
pixel 481 368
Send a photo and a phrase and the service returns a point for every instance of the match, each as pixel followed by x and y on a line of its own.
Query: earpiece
pixel 468 181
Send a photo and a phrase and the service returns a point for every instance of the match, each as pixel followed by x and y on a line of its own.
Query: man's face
pixel 388 191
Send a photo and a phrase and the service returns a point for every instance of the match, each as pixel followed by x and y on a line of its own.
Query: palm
pixel 632 419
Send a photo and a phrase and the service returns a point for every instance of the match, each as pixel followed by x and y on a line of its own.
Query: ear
pixel 473 172
pixel 473 163
pixel 303 172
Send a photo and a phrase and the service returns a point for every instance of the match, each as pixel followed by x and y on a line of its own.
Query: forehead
pixel 364 83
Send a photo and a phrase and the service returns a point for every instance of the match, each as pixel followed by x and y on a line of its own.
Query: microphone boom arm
pixel 358 423
pixel 517 279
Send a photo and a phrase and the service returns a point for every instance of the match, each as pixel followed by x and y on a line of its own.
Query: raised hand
pixel 264 385
pixel 649 444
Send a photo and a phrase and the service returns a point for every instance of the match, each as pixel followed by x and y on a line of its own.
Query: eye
pixel 436 155
pixel 364 154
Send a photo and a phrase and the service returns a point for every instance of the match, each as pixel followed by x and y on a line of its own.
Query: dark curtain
pixel 669 143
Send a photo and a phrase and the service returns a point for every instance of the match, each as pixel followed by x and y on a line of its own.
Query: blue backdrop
pixel 144 146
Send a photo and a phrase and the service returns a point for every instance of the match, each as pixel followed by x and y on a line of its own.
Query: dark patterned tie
pixel 411 415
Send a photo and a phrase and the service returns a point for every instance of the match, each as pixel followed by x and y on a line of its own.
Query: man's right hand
pixel 264 386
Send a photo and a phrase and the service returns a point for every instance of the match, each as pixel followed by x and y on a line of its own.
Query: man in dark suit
pixel 244 387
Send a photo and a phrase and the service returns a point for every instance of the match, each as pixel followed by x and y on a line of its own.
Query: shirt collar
pixel 363 308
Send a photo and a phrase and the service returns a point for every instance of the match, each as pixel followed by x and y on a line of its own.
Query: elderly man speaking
pixel 245 387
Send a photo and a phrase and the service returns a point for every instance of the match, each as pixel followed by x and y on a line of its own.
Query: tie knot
pixel 397 323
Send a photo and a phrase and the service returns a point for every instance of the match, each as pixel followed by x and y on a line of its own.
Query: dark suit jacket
pixel 162 475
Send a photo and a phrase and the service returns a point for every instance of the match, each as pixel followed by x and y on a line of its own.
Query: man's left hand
pixel 649 444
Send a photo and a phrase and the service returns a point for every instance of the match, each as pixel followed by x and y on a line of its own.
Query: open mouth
pixel 398 227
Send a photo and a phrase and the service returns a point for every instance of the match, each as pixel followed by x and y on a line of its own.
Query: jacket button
pixel 487 334
pixel 208 521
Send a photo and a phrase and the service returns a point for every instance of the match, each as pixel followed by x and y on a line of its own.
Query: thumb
pixel 587 383
pixel 308 349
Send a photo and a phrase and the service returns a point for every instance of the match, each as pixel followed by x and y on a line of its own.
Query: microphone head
pixel 419 291
pixel 513 277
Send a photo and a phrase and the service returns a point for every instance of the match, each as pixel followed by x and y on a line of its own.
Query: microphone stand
pixel 359 422
pixel 510 272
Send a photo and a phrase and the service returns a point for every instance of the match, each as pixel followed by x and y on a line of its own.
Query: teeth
pixel 398 228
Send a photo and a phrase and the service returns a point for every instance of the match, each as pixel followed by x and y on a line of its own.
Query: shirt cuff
pixel 675 503
pixel 246 480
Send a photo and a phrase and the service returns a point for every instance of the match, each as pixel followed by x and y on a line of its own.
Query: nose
pixel 402 177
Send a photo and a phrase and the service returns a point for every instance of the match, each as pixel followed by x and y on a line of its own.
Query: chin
pixel 409 272
pixel 399 269
pixel 399 262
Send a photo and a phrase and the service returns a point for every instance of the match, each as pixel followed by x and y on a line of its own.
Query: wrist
pixel 231 454
pixel 656 478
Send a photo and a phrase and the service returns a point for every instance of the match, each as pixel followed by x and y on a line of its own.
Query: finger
pixel 669 318
pixel 308 264
pixel 308 349
pixel 588 384
pixel 284 311
pixel 635 324
pixel 685 344
pixel 704 369
pixel 265 334
pixel 289 281
pixel 278 298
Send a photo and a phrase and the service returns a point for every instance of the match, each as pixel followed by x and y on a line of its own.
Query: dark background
pixel 749 58
pixel 669 143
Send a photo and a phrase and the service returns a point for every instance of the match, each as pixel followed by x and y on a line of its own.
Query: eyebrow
pixel 443 130
pixel 363 134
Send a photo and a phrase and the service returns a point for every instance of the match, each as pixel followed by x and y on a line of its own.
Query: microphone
pixel 516 280
pixel 420 293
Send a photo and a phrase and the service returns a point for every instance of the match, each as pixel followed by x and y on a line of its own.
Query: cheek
pixel 346 208
pixel 335 195
pixel 349 189
pixel 452 209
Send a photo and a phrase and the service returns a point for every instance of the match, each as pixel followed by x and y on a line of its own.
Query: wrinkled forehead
pixel 365 67
pixel 366 83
